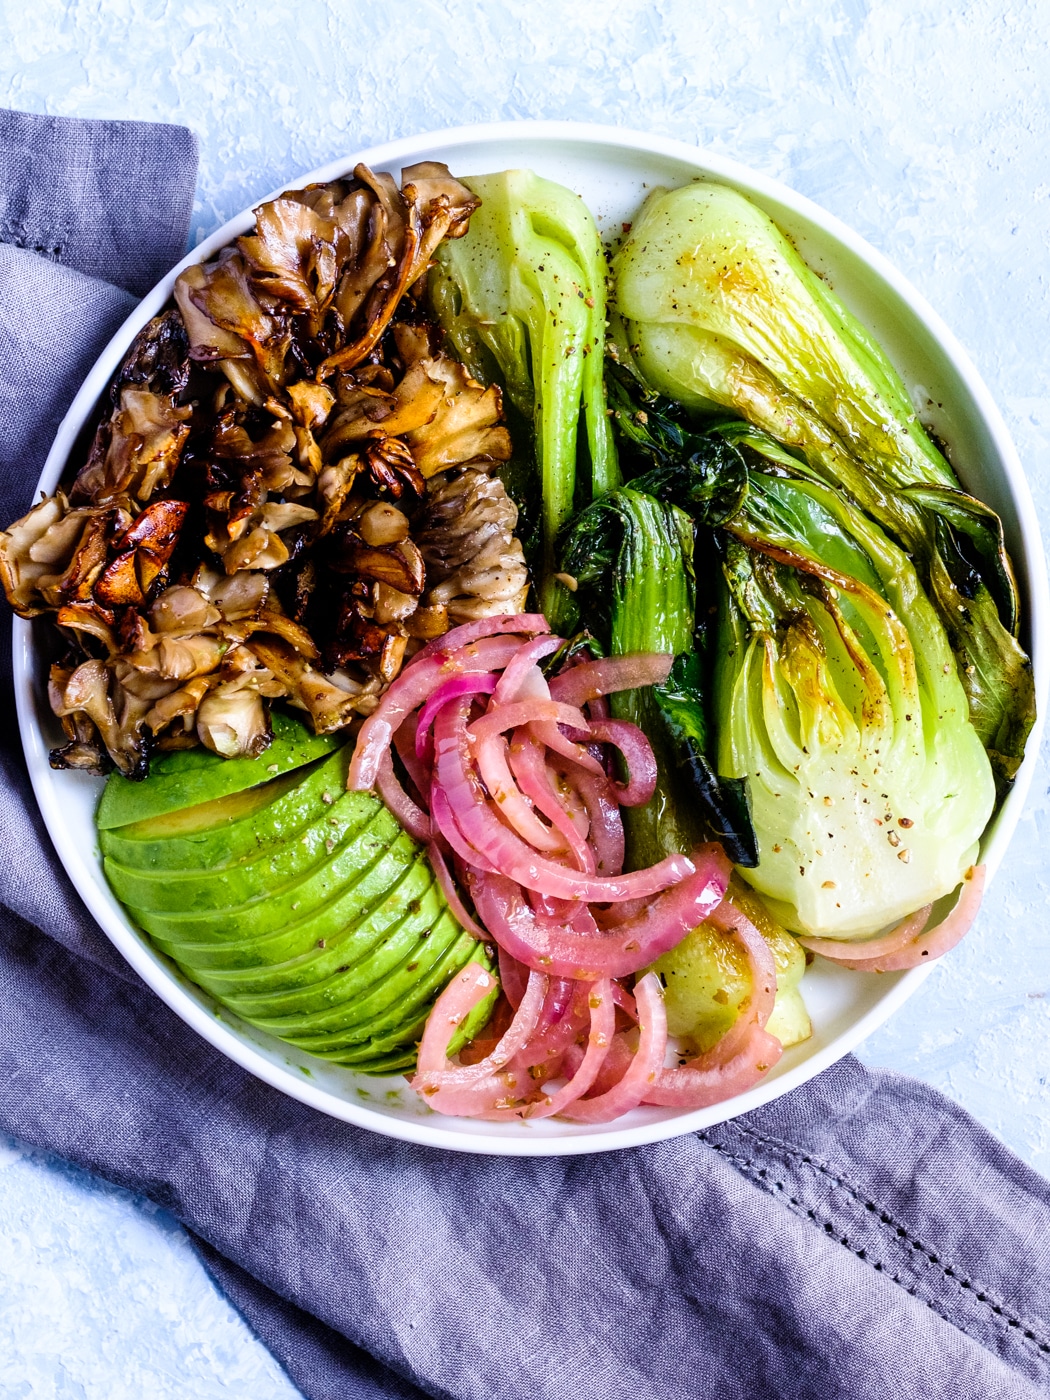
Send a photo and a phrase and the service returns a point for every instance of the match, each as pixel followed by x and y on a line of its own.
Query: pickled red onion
pixel 747 1051
pixel 605 826
pixel 575 946
pixel 599 1039
pixel 517 670
pixel 449 690
pixel 590 679
pixel 514 806
pixel 907 945
pixel 529 766
pixel 466 816
pixel 643 1070
pixel 404 743
pixel 518 788
pixel 411 689
pixel 491 1087
pixel 530 624
pixel 453 899
pixel 638 755
pixel 412 817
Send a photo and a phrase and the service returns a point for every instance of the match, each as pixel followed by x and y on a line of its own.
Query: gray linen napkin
pixel 862 1237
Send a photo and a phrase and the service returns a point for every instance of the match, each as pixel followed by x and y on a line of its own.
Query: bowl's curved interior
pixel 613 171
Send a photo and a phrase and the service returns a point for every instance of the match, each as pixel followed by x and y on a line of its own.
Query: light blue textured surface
pixel 922 125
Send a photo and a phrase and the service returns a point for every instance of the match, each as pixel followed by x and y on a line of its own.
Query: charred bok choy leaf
pixel 837 695
pixel 522 299
pixel 632 557
pixel 719 311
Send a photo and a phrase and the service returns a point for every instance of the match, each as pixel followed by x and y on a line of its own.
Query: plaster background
pixel 923 125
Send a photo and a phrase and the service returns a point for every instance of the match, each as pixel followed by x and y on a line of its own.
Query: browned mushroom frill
pixel 291 486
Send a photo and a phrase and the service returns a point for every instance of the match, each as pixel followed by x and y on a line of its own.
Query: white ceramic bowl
pixel 612 170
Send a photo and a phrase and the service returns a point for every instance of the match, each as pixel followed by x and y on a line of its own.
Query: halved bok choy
pixel 522 300
pixel 839 701
pixel 720 312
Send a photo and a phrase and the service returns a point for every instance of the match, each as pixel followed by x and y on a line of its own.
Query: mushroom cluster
pixel 291 488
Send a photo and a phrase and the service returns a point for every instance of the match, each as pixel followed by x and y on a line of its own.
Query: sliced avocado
pixel 402 1062
pixel 416 944
pixel 305 909
pixel 375 1055
pixel 334 940
pixel 425 920
pixel 191 776
pixel 396 1004
pixel 278 866
pixel 351 865
pixel 215 835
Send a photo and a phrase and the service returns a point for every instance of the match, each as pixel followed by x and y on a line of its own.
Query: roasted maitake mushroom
pixel 290 488
pixel 466 535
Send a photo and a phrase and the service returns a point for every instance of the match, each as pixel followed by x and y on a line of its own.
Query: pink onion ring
pixel 561 1022
pixel 924 947
pixel 528 623
pixel 488 1087
pixel 404 742
pixel 514 807
pixel 412 818
pixel 598 708
pixel 638 755
pixel 501 849
pixel 513 976
pixel 453 689
pixel 836 950
pixel 643 1070
pixel 543 718
pixel 470 986
pixel 414 686
pixel 603 1024
pixel 746 1052
pixel 605 833
pixel 519 712
pixel 614 1066
pixel 591 679
pixel 444 822
pixel 453 899
pixel 516 670
pixel 549 732
pixel 529 766
pixel 576 947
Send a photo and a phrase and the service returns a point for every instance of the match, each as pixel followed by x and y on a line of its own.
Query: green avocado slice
pixel 399 1063
pixel 303 908
pixel 228 830
pixel 351 865
pixel 393 1005
pixel 332 941
pixel 266 876
pixel 361 1056
pixel 419 940
pixel 191 776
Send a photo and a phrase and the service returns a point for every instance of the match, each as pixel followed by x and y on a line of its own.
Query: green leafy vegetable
pixel 633 559
pixel 724 802
pixel 835 692
pixel 522 298
pixel 702 473
pixel 719 311
pixel 837 696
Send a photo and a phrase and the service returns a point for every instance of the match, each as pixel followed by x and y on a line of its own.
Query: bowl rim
pixel 430 1131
